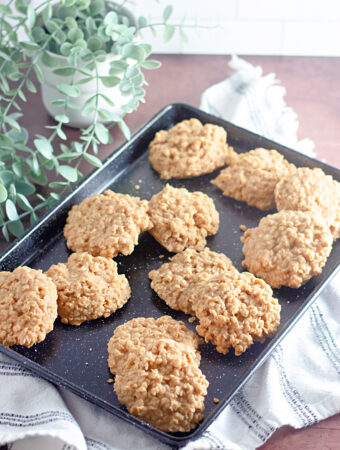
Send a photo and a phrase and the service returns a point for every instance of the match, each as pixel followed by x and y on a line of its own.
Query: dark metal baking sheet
pixel 65 357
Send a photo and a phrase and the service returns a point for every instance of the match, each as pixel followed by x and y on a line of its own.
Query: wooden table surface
pixel 313 90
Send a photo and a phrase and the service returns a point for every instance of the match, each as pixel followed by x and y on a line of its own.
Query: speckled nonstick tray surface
pixel 76 357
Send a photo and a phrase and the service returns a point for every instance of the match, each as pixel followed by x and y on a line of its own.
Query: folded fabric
pixel 298 385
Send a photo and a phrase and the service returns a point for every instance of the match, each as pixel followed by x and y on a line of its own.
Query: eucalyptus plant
pixel 84 32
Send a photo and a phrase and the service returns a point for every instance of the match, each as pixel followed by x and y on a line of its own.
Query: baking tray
pixel 76 357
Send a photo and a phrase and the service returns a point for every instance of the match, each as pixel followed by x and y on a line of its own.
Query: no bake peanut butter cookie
pixel 182 219
pixel 189 149
pixel 88 288
pixel 28 306
pixel 252 177
pixel 287 248
pixel 184 270
pixel 107 224
pixel 311 190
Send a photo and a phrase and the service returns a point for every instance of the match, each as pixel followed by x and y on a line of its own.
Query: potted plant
pixel 88 56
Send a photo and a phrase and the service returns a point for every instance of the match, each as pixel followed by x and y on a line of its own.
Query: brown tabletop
pixel 313 90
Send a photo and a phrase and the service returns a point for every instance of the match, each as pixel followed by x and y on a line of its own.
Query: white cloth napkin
pixel 298 385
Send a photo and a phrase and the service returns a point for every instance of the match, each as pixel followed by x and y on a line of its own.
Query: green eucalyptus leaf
pixel 31 16
pixel 21 5
pixel 55 195
pixel 95 43
pixel 111 18
pixel 32 46
pixel 85 80
pixel 65 48
pixel 57 184
pixel 147 49
pixel 151 64
pixel 169 31
pixel 63 12
pixel 16 228
pixel 30 86
pixel 110 81
pixel 44 147
pixel 62 118
pixel 168 10
pixel 64 71
pixel 12 193
pixel 133 51
pixel 12 122
pixel 58 102
pixel 11 210
pixel 69 173
pixel 6 176
pixel 33 218
pixel 24 203
pixel 3 193
pixel 22 95
pixel 48 60
pixel 70 91
pixel 125 87
pixel 38 73
pixel 142 22
pixel 61 134
pixel 107 100
pixel 96 7
pixel 125 129
pixel 75 34
pixel 69 2
pixel 5 232
pixel 102 133
pixel 93 160
pixel 40 178
pixel 47 13
pixel 24 187
pixel 70 156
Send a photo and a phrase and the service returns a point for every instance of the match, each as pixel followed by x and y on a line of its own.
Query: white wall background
pixel 253 27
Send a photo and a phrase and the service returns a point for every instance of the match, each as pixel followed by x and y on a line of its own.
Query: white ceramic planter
pixel 50 92
pixel 51 80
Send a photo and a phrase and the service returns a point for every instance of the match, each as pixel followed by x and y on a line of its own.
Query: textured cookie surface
pixel 182 219
pixel 106 224
pixel 28 306
pixel 287 248
pixel 311 190
pixel 168 392
pixel 189 149
pixel 233 312
pixel 88 288
pixel 252 177
pixel 130 341
pixel 186 269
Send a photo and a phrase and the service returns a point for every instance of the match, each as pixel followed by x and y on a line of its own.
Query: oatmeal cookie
pixel 106 224
pixel 184 270
pixel 287 248
pixel 252 177
pixel 233 312
pixel 189 149
pixel 311 190
pixel 182 219
pixel 130 341
pixel 28 306
pixel 88 288
pixel 169 392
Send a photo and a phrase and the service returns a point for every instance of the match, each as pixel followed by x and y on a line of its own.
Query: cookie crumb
pixel 161 256
pixel 191 319
pixel 110 380
pixel 86 364
pixel 243 227
pixel 216 400
pixel 137 186
pixel 90 349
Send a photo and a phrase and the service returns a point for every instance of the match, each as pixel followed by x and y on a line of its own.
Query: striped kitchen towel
pixel 298 385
